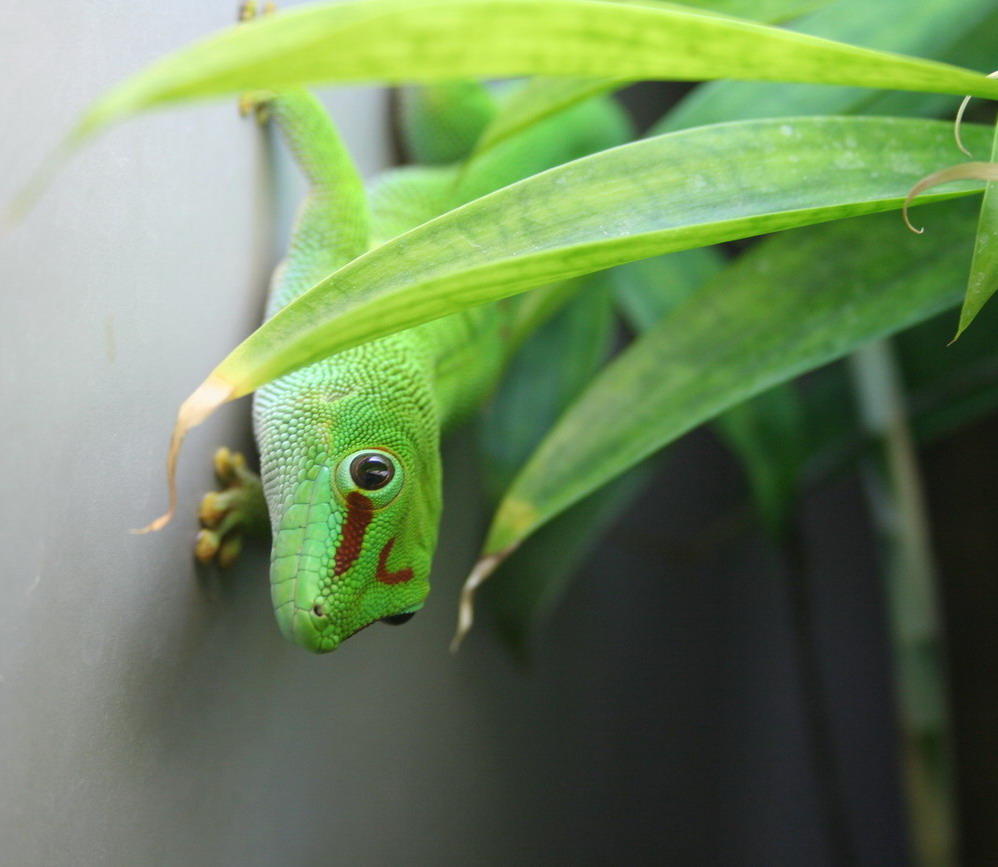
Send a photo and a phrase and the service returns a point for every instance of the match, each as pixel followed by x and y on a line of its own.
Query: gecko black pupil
pixel 370 472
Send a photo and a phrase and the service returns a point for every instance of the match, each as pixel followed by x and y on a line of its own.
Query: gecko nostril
pixel 318 610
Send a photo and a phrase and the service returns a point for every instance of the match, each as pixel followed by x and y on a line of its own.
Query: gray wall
pixel 150 713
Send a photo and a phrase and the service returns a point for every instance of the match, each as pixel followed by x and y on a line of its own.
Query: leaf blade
pixel 427 40
pixel 541 380
pixel 983 279
pixel 628 203
pixel 766 434
pixel 543 97
pixel 734 339
pixel 874 25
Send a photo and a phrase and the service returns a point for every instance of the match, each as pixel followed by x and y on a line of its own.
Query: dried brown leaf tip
pixel 959 119
pixel 973 171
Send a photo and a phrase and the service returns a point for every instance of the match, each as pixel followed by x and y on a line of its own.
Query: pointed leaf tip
pixel 41 179
pixel 466 607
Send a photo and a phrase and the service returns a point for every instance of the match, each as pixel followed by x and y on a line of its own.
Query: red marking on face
pixel 386 577
pixel 359 515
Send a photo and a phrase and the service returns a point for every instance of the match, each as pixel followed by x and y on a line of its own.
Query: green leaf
pixel 684 190
pixel 542 97
pixel 402 199
pixel 649 290
pixel 581 129
pixel 973 49
pixel 433 40
pixel 754 326
pixel 983 279
pixel 675 192
pixel 770 11
pixel 947 386
pixel 767 433
pixel 925 28
pixel 532 309
pixel 420 41
pixel 440 123
pixel 554 364
pixel 537 100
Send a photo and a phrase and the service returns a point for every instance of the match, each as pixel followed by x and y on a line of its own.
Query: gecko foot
pixel 255 102
pixel 229 515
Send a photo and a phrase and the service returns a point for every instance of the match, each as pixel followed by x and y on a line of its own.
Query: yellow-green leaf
pixel 756 324
pixel 542 97
pixel 674 192
pixel 432 40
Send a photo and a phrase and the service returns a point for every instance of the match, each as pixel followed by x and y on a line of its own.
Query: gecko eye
pixel 376 474
pixel 399 619
pixel 371 471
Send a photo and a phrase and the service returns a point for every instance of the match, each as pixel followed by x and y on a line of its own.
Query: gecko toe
pixel 228 515
pixel 206 545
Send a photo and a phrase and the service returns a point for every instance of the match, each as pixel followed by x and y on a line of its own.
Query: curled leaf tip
pixel 466 607
pixel 914 191
pixel 973 171
pixel 160 522
pixel 205 399
pixel 956 126
pixel 920 230
pixel 959 119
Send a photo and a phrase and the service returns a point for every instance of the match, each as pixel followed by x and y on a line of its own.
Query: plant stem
pixel 897 503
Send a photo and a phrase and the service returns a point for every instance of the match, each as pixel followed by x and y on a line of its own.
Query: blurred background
pixel 706 691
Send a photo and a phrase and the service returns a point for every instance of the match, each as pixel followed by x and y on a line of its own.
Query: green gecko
pixel 350 446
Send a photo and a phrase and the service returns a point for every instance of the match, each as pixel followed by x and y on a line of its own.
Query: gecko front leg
pixel 238 510
pixel 230 515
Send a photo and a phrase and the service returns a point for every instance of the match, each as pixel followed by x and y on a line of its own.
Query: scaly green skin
pixel 344 557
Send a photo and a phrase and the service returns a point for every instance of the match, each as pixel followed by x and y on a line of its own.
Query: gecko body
pixel 350 446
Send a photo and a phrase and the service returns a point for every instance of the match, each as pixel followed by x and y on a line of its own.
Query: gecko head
pixel 354 534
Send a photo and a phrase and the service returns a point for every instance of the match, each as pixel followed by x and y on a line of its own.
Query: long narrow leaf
pixel 542 97
pixel 770 11
pixel 551 369
pixel 675 192
pixel 649 290
pixel 753 327
pixel 925 28
pixel 974 49
pixel 431 40
pixel 767 433
pixel 537 100
pixel 983 280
